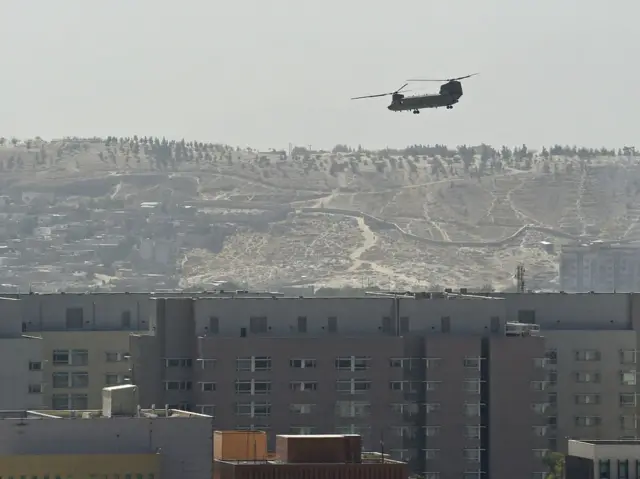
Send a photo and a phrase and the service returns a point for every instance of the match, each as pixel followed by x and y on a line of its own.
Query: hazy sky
pixel 264 73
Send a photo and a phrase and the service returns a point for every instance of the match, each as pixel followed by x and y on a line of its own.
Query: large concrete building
pixel 127 443
pixel 600 267
pixel 435 379
pixel 602 459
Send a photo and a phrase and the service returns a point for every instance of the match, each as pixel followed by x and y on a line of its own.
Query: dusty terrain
pixel 411 219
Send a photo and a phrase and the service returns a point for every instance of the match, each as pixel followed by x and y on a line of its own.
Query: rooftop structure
pixel 119 439
pixel 602 459
pixel 313 456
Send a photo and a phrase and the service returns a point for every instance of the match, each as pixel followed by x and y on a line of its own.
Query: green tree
pixel 554 461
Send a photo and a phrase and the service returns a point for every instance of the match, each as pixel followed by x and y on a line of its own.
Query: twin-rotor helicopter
pixel 448 96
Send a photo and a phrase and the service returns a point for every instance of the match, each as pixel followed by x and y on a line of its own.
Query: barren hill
pixel 189 214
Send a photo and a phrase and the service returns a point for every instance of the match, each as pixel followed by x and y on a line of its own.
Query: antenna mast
pixel 520 278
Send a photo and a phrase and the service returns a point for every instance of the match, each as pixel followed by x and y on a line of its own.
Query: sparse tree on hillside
pixel 14 141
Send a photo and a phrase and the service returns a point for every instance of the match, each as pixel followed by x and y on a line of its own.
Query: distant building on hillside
pixel 600 267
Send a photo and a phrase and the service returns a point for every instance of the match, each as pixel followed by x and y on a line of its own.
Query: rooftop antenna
pixel 520 278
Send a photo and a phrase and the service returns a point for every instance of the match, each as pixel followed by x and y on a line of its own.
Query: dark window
pixel 214 325
pixel 445 324
pixel 258 324
pixel 623 469
pixel 604 469
pixel 332 324
pixel 74 318
pixel 527 316
pixel 404 324
pixel 125 319
pixel 302 324
pixel 387 325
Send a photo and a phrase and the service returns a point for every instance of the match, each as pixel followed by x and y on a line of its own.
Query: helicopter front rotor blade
pixel 371 96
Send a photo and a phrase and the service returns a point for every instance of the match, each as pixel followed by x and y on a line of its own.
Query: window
pixel 111 379
pixel 552 377
pixel 472 386
pixel 60 401
pixel 408 432
pixel 353 386
pixel 627 400
pixel 431 475
pixel 445 324
pixel 587 399
pixel 302 363
pixel 431 407
pixel 623 469
pixel 552 398
pixel 587 355
pixel 207 364
pixel 587 421
pixel 408 409
pixel 472 409
pixel 527 316
pixel 472 455
pixel 35 388
pixel 177 385
pixel 472 363
pixel 115 357
pixel 70 380
pixel 540 407
pixel 60 357
pixel 303 385
pixel 253 409
pixel 628 422
pixel 495 324
pixel 35 366
pixel 401 454
pixel 208 409
pixel 332 324
pixel 76 402
pixel 74 318
pixel 214 325
pixel 207 387
pixel 540 453
pixel 552 357
pixel 627 356
pixel 302 324
pixel 353 408
pixel 472 475
pixel 540 363
pixel 254 363
pixel 587 377
pixel 125 319
pixel 302 408
pixel 353 363
pixel 472 432
pixel 432 363
pixel 604 469
pixel 628 378
pixel 258 324
pixel 538 385
pixel 403 363
pixel 354 429
pixel 406 386
pixel 540 430
pixel 253 387
pixel 432 385
pixel 75 357
pixel 431 431
pixel 178 362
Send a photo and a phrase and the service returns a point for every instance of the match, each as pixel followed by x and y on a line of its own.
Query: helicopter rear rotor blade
pixel 448 79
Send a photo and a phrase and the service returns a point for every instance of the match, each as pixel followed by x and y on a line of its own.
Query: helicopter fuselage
pixel 418 102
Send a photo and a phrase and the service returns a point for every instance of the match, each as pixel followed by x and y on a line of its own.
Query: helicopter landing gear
pixel 416 112
pixel 449 107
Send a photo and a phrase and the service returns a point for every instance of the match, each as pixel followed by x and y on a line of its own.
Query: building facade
pixel 21 361
pixel 602 459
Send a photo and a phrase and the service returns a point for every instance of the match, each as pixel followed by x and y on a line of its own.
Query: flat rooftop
pixel 97 414
pixel 610 442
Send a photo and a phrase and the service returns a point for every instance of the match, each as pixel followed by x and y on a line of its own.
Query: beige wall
pixel 80 465
pixel 98 344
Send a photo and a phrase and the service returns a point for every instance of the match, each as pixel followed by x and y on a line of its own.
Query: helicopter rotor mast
pixel 382 94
